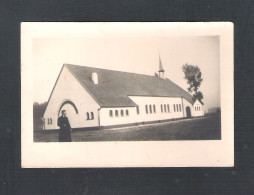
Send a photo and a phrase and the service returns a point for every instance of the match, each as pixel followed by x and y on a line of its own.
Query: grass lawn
pixel 206 128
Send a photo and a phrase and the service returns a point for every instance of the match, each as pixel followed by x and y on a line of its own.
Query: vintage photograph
pixel 126 87
pixel 129 87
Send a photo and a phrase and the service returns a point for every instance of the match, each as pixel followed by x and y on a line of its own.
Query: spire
pixel 161 70
pixel 160 65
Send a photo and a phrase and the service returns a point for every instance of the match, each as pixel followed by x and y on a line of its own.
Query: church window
pixel 168 108
pixel 111 113
pixel 122 113
pixel 165 109
pixel 87 116
pixel 92 116
pixel 177 107
pixel 150 107
pixel 154 109
pixel 174 107
pixel 161 108
pixel 50 120
pixel 146 109
pixel 127 112
pixel 137 109
pixel 116 113
pixel 180 109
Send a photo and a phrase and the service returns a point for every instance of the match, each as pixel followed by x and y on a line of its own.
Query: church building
pixel 100 98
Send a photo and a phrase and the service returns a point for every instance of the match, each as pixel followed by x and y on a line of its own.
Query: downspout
pixel 99 116
pixel 182 106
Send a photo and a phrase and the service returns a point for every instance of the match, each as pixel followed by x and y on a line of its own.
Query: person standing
pixel 65 128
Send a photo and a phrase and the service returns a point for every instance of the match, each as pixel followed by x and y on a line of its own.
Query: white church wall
pixel 142 116
pixel 68 88
pixel 198 109
pixel 142 101
pixel 187 104
pixel 106 119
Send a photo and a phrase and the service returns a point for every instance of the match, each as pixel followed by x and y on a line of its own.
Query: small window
pixel 116 113
pixel 154 109
pixel 92 117
pixel 111 113
pixel 165 109
pixel 168 108
pixel 50 120
pixel 127 112
pixel 87 116
pixel 174 107
pixel 122 113
pixel 150 107
pixel 146 109
pixel 177 107
pixel 161 108
pixel 137 109
pixel 180 109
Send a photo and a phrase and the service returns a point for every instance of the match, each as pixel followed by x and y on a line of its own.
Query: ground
pixel 205 128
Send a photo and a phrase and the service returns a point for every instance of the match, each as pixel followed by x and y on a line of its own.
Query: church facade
pixel 98 98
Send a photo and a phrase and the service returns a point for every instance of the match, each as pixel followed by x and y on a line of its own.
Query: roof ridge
pixel 111 70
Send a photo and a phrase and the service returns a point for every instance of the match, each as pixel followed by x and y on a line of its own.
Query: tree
pixel 193 76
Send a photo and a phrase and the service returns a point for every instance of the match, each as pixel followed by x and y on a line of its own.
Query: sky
pixel 132 50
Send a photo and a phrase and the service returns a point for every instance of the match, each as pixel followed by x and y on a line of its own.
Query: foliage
pixel 38 109
pixel 193 76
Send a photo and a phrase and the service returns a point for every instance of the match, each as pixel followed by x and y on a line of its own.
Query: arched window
pixel 122 113
pixel 111 113
pixel 146 109
pixel 116 113
pixel 92 117
pixel 154 108
pixel 168 108
pixel 174 107
pixel 180 109
pixel 161 108
pixel 127 112
pixel 137 109
pixel 177 107
pixel 87 116
pixel 165 109
pixel 150 108
pixel 50 120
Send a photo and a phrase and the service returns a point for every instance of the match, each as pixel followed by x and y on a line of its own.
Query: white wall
pixel 106 120
pixel 187 104
pixel 68 88
pixel 142 101
pixel 199 111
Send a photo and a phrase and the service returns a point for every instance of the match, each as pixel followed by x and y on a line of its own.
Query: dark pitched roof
pixel 199 101
pixel 114 87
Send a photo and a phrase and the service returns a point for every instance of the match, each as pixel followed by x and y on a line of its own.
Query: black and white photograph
pixel 127 85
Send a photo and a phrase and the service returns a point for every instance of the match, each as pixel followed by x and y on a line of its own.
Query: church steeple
pixel 161 70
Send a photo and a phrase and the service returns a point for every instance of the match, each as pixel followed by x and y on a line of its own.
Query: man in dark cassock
pixel 65 128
